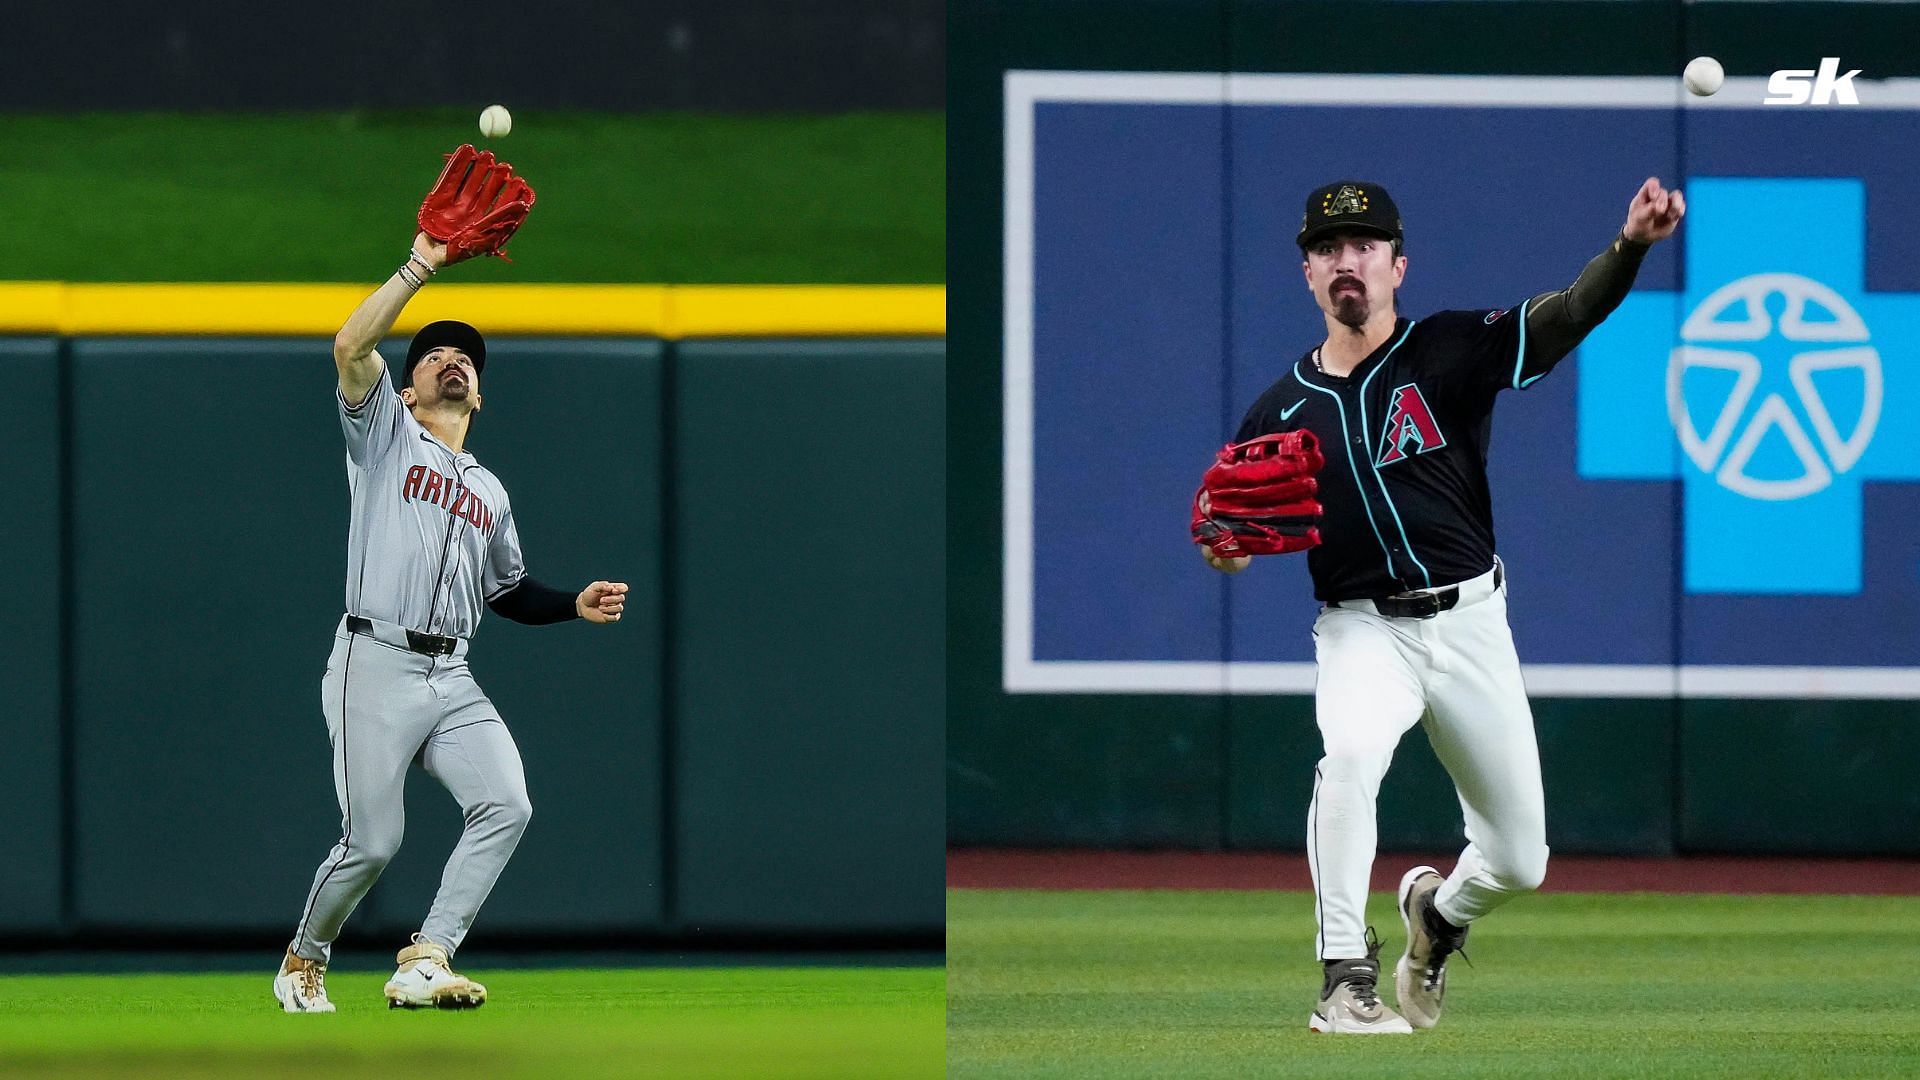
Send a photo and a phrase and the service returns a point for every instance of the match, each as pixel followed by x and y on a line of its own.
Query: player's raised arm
pixel 353 347
pixel 473 209
pixel 1558 321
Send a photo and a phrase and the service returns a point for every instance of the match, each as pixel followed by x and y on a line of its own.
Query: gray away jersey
pixel 431 537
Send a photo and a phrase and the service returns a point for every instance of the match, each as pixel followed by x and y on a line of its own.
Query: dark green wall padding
pixel 1633 776
pixel 812 525
pixel 30 732
pixel 780 777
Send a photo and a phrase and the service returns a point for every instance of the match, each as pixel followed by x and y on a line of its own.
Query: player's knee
pixel 513 813
pixel 1526 871
pixel 376 850
pixel 1355 762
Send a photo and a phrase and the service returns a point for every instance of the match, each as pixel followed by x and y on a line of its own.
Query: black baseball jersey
pixel 1405 438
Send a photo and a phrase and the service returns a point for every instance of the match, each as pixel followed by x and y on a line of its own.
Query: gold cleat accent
pixel 426 979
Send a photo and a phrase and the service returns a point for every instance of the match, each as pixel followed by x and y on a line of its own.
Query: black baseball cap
pixel 451 332
pixel 1349 204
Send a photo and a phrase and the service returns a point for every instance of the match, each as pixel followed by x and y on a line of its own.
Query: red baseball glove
pixel 475 206
pixel 1257 499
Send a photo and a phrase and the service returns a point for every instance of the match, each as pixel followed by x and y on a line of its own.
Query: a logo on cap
pixel 1348 200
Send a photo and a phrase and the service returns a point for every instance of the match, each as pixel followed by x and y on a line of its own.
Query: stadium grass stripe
pixel 688 198
pixel 1117 984
pixel 705 1022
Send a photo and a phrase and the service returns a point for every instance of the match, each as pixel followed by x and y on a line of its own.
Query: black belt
pixel 424 644
pixel 1425 605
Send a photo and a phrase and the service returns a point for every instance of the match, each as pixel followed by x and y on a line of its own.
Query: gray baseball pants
pixel 387 706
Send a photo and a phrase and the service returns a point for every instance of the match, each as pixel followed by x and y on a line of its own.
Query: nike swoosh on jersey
pixel 1294 408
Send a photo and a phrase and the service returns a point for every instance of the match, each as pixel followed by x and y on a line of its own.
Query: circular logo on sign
pixel 1742 312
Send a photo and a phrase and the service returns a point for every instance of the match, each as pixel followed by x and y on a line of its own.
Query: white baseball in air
pixel 496 121
pixel 1704 75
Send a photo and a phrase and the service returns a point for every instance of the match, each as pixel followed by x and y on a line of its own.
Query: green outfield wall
pixel 1638 775
pixel 32 764
pixel 754 751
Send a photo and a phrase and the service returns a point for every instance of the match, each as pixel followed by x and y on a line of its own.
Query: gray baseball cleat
pixel 1350 998
pixel 1420 978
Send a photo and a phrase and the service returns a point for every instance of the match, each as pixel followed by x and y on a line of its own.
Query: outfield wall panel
pixel 1826 778
pixel 209 511
pixel 30 691
pixel 208 501
pixel 1134 771
pixel 808 520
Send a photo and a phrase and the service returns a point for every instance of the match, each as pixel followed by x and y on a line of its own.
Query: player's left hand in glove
pixel 476 206
pixel 1257 498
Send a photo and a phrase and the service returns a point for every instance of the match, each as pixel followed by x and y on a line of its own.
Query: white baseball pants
pixel 1458 674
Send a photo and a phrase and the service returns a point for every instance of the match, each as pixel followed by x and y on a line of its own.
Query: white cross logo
pixel 1736 312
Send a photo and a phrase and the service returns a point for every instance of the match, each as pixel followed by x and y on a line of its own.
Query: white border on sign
pixel 1022 674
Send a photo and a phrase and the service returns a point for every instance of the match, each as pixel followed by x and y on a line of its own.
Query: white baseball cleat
pixel 1350 998
pixel 301 985
pixel 1420 978
pixel 425 979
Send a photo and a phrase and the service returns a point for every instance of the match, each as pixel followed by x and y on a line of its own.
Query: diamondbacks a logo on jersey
pixel 456 498
pixel 1411 428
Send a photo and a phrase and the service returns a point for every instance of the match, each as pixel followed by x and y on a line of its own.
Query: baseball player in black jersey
pixel 1414 625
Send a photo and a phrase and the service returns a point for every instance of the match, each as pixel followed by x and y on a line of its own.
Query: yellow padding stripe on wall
pixel 667 311
pixel 805 310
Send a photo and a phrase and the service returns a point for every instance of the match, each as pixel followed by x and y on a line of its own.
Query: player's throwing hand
pixel 602 601
pixel 1654 213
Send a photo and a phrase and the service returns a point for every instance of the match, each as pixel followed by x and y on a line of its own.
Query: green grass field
pixel 671 1022
pixel 1218 984
pixel 669 197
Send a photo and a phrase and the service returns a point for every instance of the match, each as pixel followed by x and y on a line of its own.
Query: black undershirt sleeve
pixel 534 604
pixel 1558 321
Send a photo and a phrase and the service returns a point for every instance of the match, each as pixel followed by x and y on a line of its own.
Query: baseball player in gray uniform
pixel 431 540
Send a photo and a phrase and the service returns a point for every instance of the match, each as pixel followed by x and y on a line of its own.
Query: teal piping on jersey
pixel 1347 442
pixel 1520 360
pixel 1377 368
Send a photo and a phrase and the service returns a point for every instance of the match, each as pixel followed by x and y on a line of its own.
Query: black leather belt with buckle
pixel 1425 605
pixel 424 644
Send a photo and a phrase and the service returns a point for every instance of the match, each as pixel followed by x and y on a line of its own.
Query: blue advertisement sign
pixel 1718 494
